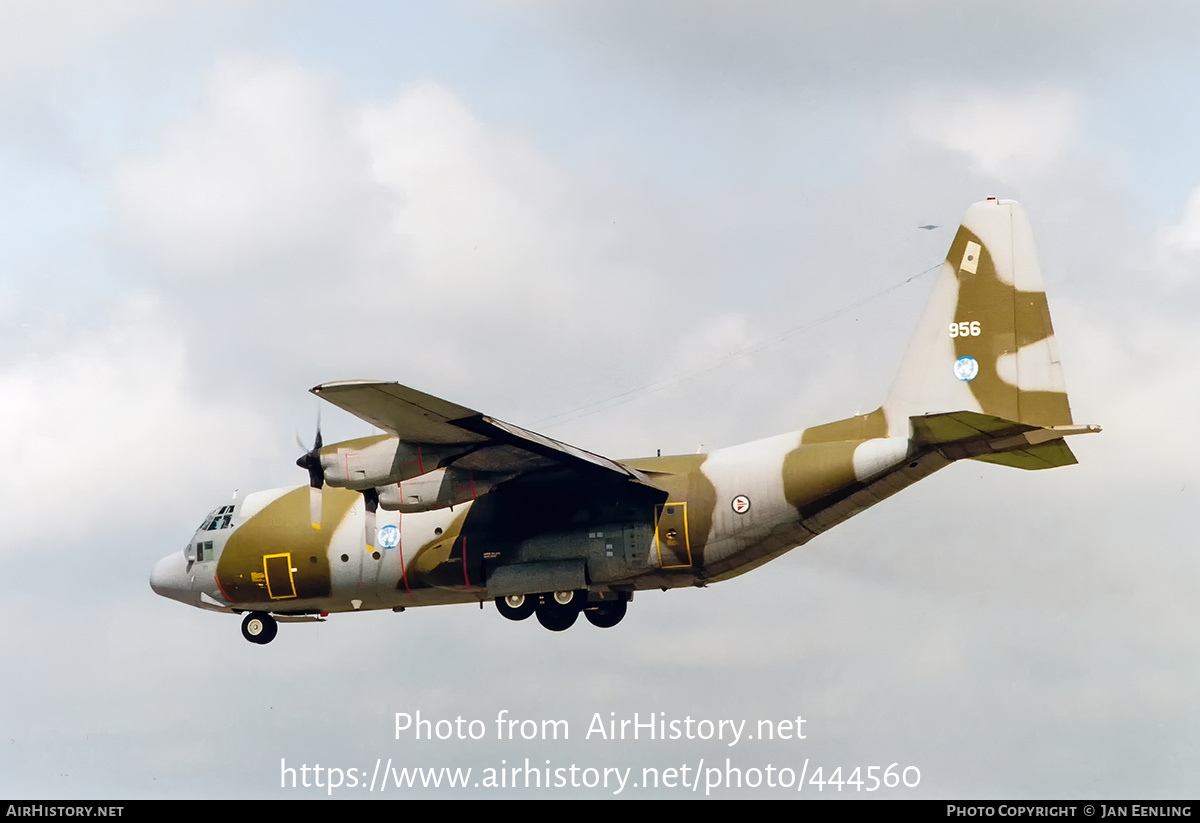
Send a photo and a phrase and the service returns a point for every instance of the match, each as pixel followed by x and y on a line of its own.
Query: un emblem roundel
pixel 389 537
pixel 965 368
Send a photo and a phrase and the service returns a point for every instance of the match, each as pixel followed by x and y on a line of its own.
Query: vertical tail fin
pixel 985 343
pixel 982 378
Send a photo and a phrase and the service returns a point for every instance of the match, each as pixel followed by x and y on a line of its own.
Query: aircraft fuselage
pixel 708 517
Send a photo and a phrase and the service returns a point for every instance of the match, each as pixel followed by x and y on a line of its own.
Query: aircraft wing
pixel 490 444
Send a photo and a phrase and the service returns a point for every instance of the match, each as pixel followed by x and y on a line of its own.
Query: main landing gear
pixel 259 627
pixel 516 606
pixel 558 611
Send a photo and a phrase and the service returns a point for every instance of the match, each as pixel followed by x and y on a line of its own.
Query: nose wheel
pixel 259 627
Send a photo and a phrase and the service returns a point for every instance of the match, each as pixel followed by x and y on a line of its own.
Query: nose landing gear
pixel 259 627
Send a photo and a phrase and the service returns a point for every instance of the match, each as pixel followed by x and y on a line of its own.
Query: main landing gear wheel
pixel 556 620
pixel 516 606
pixel 607 614
pixel 559 611
pixel 259 627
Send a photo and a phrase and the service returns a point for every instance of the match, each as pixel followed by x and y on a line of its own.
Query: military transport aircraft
pixel 453 506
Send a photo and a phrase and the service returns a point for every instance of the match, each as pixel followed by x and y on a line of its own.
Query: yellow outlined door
pixel 278 569
pixel 671 535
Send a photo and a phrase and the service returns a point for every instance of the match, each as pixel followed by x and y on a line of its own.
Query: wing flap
pixel 499 431
pixel 500 458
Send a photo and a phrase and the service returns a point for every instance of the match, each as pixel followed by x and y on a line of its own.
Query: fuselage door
pixel 671 535
pixel 278 568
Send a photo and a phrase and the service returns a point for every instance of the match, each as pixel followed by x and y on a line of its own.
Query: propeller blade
pixel 311 461
pixel 314 506
pixel 371 501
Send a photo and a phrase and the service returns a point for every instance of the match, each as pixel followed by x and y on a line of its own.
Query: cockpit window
pixel 219 519
pixel 200 550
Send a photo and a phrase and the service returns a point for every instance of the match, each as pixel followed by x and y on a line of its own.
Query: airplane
pixel 449 505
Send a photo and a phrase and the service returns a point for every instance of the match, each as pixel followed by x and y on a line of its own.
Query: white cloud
pixel 35 35
pixel 1006 136
pixel 266 172
pixel 274 170
pixel 478 211
pixel 352 237
pixel 109 429
pixel 1178 250
pixel 40 38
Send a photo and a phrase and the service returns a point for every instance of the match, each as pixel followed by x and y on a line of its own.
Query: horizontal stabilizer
pixel 1046 456
pixel 961 426
pixel 976 436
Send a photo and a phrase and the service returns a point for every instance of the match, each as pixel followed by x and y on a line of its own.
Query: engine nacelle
pixel 380 460
pixel 438 489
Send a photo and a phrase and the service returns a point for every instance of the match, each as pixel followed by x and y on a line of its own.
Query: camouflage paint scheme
pixel 484 510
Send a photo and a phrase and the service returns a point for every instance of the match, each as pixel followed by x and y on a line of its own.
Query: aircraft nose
pixel 170 578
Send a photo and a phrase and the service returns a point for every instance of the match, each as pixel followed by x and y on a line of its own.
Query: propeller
pixel 311 460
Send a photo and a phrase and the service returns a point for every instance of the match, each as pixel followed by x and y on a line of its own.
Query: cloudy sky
pixel 631 226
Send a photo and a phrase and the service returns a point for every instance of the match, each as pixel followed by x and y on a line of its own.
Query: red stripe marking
pixel 221 588
pixel 400 547
pixel 466 579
